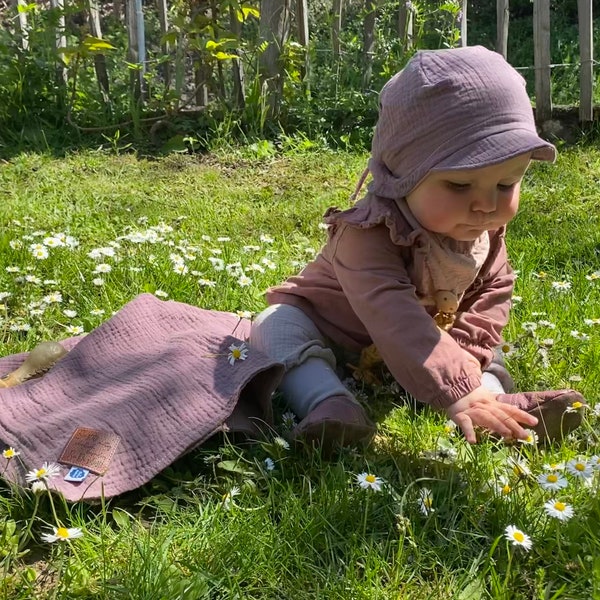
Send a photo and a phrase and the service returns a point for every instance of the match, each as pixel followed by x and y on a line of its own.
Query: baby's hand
pixel 480 408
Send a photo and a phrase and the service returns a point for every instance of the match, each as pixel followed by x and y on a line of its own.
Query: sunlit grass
pixel 263 521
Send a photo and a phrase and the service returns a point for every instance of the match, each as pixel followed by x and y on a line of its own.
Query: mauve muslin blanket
pixel 157 374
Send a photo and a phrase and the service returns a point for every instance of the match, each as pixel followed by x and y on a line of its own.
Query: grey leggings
pixel 284 333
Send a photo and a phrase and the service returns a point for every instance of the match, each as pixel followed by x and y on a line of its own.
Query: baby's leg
pixel 330 415
pixel 286 334
pixel 496 378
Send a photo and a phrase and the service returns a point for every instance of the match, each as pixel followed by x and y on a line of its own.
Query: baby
pixel 418 267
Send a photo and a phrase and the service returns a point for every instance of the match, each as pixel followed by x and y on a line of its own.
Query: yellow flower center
pixel 519 536
pixel 370 478
pixel 506 489
pixel 40 473
pixel 9 453
pixel 62 533
pixel 236 353
pixel 427 501
pixel 580 466
pixel 505 348
pixel 552 478
pixel 577 405
pixel 560 506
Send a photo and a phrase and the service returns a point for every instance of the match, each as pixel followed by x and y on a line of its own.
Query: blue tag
pixel 76 474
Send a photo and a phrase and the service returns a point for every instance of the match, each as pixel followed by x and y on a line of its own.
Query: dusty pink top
pixel 362 288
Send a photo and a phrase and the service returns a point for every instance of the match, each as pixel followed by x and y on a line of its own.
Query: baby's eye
pixel 455 185
pixel 506 187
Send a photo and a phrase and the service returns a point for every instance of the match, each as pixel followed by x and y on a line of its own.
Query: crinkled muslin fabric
pixel 157 374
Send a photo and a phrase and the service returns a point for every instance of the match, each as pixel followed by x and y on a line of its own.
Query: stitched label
pixel 90 449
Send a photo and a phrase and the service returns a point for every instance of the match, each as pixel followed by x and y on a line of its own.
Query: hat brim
pixel 496 148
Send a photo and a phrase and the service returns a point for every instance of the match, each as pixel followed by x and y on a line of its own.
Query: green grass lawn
pixel 82 235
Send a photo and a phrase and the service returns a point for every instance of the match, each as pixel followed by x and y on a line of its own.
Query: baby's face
pixel 463 204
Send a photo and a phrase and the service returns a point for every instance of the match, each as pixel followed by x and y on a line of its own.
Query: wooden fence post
pixel 586 70
pixel 541 59
pixel 239 86
pixel 23 25
pixel 462 42
pixel 136 52
pixel 336 28
pixel 369 41
pixel 274 28
pixel 99 59
pixel 164 28
pixel 303 37
pixel 61 41
pixel 502 19
pixel 405 25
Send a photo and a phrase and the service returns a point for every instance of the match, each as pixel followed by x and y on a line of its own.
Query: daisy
pixel 53 298
pixel 558 510
pixel 217 263
pixel 578 335
pixel 517 537
pixel 279 441
pixel 369 481
pixel 289 419
pixel 9 453
pixel 531 439
pixel 237 353
pixel 180 268
pixel 576 406
pixel 229 496
pixel 595 275
pixel 206 282
pixel 426 501
pixel 96 312
pixel 270 264
pixel 62 534
pixel 53 242
pixel 224 238
pixel 98 281
pixel 161 294
pixel 71 314
pixel 595 462
pixel 518 467
pixel 529 326
pixel 103 268
pixel 516 299
pixel 561 286
pixel 553 466
pixel 580 468
pixel 244 281
pixel 39 251
pixel 46 472
pixel 507 349
pixel 265 239
pixel 502 486
pixel 15 244
pixel 576 378
pixel 74 329
pixel 552 481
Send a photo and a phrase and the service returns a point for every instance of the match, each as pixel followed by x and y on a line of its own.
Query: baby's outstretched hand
pixel 480 408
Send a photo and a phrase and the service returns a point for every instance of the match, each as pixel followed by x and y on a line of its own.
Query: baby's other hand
pixel 480 408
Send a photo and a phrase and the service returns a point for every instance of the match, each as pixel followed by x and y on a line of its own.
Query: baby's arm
pixel 484 310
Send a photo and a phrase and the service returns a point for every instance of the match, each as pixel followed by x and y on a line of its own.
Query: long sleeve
pixel 425 361
pixel 484 310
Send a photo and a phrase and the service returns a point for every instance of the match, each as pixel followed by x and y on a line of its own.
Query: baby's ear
pixel 446 301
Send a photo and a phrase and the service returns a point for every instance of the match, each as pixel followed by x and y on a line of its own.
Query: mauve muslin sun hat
pixel 462 108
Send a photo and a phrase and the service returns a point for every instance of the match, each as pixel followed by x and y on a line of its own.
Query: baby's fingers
pixel 466 425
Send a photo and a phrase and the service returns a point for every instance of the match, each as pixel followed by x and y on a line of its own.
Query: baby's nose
pixel 486 202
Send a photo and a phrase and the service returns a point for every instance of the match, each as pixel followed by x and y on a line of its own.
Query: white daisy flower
pixel 206 283
pixel 71 314
pixel 507 349
pixel 62 534
pixel 529 326
pixel 518 467
pixel 289 419
pixel 369 481
pixel 576 407
pixel 426 501
pixel 580 468
pixel 9 453
pixel 502 486
pixel 531 439
pixel 229 496
pixel 98 281
pixel 561 286
pixel 53 298
pixel 244 281
pixel 265 239
pixel 558 510
pixel 46 472
pixel 217 263
pixel 517 537
pixel 552 481
pixel 237 353
pixel 74 329
pixel 103 268
pixel 279 441
pixel 96 312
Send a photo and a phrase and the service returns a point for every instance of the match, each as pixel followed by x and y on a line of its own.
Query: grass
pixel 304 529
